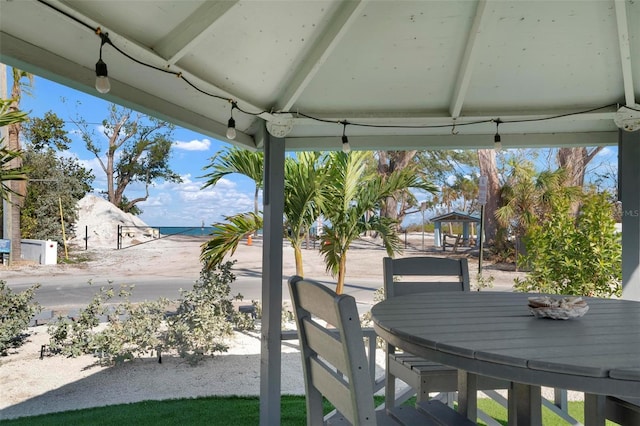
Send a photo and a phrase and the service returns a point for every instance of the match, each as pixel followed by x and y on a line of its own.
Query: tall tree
pixel 18 187
pixel 58 182
pixel 138 150
pixel 488 168
pixel 8 171
pixel 396 205
pixel 432 166
pixel 236 160
pixel 574 160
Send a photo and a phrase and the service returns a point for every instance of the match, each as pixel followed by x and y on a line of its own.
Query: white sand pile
pixel 98 219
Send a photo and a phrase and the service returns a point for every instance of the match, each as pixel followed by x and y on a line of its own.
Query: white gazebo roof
pixel 383 63
pixel 311 69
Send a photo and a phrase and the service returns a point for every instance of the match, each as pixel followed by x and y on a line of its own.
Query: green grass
pixel 223 411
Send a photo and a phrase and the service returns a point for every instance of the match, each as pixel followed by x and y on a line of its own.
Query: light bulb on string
pixel 497 140
pixel 231 129
pixel 346 148
pixel 231 126
pixel 102 76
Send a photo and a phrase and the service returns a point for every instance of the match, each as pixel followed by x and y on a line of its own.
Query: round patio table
pixel 494 334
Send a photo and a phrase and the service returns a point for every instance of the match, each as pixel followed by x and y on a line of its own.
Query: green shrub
pixel 75 337
pixel 204 319
pixel 581 256
pixel 202 322
pixel 132 329
pixel 16 311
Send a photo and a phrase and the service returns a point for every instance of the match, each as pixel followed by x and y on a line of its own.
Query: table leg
pixel 528 404
pixel 468 395
pixel 594 409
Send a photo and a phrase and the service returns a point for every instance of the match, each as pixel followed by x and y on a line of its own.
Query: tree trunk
pixel 388 162
pixel 574 161
pixel 342 271
pixel 297 253
pixel 488 168
pixel 19 187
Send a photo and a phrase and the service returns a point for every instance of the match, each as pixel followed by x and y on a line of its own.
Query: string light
pixel 231 126
pixel 102 76
pixel 104 87
pixel 346 148
pixel 497 142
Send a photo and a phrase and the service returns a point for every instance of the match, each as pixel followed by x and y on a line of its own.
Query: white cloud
pixel 186 204
pixel 194 145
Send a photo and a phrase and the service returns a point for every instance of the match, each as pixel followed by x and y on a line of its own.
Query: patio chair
pixel 335 364
pixel 420 275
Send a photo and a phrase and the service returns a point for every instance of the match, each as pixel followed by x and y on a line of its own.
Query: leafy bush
pixel 581 256
pixel 16 311
pixel 202 321
pixel 132 329
pixel 75 337
pixel 483 282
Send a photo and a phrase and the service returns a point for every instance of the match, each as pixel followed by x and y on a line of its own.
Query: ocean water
pixel 185 230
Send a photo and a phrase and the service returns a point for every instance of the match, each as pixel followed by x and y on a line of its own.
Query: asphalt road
pixel 69 292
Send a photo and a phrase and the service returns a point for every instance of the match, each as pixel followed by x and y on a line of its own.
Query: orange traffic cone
pixel 250 240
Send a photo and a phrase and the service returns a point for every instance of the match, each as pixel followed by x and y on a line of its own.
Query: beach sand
pixel 31 385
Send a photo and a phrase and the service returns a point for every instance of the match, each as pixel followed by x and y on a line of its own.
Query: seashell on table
pixel 560 309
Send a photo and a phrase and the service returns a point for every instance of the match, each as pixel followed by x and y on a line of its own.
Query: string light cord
pixel 568 114
pixel 106 40
pixel 453 123
pixel 104 36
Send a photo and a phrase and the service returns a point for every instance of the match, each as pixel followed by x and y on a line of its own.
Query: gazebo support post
pixel 629 187
pixel 270 348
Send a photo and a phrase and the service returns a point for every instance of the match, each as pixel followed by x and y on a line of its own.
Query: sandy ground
pixel 31 385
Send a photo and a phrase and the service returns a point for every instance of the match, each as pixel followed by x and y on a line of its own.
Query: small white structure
pixel 43 252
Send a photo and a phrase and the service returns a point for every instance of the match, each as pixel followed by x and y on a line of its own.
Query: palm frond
pixel 226 237
pixel 235 160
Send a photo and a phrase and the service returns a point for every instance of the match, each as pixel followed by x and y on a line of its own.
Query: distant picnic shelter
pixel 455 217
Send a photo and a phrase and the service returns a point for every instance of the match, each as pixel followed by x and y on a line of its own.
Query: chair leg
pixel 468 395
pixel 390 391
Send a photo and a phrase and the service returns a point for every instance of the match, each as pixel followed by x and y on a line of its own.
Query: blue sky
pixel 186 204
pixel 169 204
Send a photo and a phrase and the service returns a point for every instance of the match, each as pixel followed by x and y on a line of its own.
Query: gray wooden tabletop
pixel 494 334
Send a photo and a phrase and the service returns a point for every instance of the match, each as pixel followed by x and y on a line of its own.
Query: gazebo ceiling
pixel 408 64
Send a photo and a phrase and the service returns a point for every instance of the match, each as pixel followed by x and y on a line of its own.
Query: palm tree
pixel 236 160
pixel 8 157
pixel 18 187
pixel 303 187
pixel 303 197
pixel 351 193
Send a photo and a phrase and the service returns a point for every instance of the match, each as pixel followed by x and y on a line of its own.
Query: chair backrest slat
pixel 343 380
pixel 323 342
pixel 412 275
pixel 328 382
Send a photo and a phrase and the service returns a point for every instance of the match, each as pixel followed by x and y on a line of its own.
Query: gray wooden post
pixel 270 350
pixel 629 177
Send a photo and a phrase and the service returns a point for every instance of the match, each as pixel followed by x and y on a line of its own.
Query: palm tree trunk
pixel 297 252
pixel 342 272
pixel 13 142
